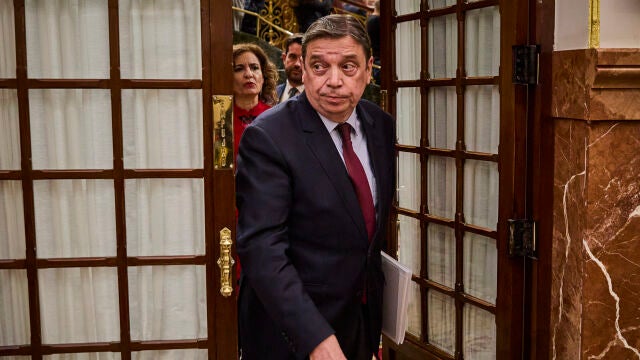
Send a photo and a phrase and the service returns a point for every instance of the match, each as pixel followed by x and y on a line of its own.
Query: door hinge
pixel 522 238
pixel 525 64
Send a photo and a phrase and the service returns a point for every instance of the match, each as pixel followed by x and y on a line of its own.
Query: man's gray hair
pixel 337 26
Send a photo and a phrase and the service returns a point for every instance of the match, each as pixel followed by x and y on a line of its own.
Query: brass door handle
pixel 225 262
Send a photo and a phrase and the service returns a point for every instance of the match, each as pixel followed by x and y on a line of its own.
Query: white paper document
pixel 396 298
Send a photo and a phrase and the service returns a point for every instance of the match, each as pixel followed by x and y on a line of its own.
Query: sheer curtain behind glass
pixel 71 129
pixel 162 129
pixel 14 300
pixel 482 116
pixel 481 187
pixel 7 40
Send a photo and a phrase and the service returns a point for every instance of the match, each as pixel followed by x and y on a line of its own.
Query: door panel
pixel 447 75
pixel 111 208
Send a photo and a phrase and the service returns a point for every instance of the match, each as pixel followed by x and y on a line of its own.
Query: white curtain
pixel 482 124
pixel 160 39
pixel 436 4
pixel 410 255
pixel 407 6
pixel 14 296
pixel 67 39
pixel 9 130
pixel 237 15
pixel 162 128
pixel 7 43
pixel 408 109
pixel 408 42
pixel 71 129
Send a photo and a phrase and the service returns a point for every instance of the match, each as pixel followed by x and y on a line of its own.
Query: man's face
pixel 293 64
pixel 335 76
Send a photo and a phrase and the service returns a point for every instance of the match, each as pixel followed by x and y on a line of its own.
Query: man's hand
pixel 328 349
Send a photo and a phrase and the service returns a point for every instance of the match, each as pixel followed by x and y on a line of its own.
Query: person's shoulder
pixel 279 113
pixel 372 108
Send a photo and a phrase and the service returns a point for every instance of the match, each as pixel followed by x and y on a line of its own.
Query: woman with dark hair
pixel 254 87
pixel 254 91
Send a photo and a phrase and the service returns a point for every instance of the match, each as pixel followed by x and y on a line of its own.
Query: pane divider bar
pixel 169 344
pixel 6 264
pixel 459 157
pixel 160 84
pixel 27 179
pixel 118 169
pixel 8 83
pixel 10 174
pixel 19 350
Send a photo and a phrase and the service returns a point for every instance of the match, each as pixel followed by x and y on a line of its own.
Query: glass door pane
pixel 162 128
pixel 160 39
pixel 450 216
pixel 103 179
pixel 67 39
pixel 165 217
pixel 9 130
pixel 71 128
pixel 79 305
pixel 7 40
pixel 167 302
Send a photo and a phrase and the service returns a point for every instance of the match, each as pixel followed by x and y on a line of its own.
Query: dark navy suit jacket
pixel 280 90
pixel 302 239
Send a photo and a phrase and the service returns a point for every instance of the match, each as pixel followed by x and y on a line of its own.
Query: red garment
pixel 241 119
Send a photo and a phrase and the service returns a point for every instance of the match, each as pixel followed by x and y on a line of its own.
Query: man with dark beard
pixel 292 59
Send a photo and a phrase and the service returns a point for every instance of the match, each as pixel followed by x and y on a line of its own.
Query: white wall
pixel 619 23
pixel 572 24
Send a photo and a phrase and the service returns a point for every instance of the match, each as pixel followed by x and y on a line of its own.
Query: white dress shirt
pixel 285 93
pixel 359 142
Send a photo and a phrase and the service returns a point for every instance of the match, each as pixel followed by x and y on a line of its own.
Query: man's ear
pixel 284 55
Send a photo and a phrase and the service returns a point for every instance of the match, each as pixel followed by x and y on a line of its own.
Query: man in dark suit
pixel 315 182
pixel 292 60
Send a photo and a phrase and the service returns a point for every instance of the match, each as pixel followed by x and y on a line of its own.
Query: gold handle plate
pixel 384 100
pixel 225 262
pixel 223 131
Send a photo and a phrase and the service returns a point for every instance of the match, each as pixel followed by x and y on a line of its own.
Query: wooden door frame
pixel 541 29
pixel 224 317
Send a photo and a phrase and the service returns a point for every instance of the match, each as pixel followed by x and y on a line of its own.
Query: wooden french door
pixel 461 127
pixel 112 206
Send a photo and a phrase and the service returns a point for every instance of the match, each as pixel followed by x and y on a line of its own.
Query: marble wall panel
pixel 596 242
pixel 596 84
pixel 595 304
pixel 611 316
pixel 569 218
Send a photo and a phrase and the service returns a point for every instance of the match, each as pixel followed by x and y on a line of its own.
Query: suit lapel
pixel 280 90
pixel 322 146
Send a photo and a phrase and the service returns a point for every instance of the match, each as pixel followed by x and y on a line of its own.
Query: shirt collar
pixel 288 87
pixel 352 120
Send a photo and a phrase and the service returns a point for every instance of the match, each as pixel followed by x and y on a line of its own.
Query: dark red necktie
pixel 358 179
